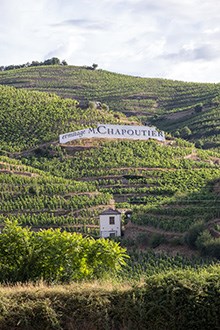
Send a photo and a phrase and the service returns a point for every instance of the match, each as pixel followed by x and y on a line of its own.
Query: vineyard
pixel 164 187
pixel 170 105
pixel 39 199
pixel 167 186
pixel 30 119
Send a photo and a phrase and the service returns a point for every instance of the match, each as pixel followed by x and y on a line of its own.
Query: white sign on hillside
pixel 115 132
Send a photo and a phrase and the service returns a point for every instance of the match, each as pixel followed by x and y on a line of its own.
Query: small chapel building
pixel 110 223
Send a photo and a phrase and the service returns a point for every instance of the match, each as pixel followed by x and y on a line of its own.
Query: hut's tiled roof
pixel 110 212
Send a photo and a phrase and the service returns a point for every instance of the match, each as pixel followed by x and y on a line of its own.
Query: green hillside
pixel 29 119
pixel 168 187
pixel 194 105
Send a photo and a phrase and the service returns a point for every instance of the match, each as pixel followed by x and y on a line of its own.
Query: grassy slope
pixel 167 187
pixel 131 95
pixel 173 300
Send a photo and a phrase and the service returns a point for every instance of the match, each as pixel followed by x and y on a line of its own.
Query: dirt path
pixel 28 151
pixel 132 229
pixel 150 229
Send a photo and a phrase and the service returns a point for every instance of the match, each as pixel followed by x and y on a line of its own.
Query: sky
pixel 169 39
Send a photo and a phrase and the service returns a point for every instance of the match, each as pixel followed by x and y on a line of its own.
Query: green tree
pixel 94 66
pixel 198 107
pixel 52 61
pixel 193 234
pixel 185 132
pixel 199 144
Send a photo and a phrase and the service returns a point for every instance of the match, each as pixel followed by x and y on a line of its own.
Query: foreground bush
pixel 55 256
pixel 177 300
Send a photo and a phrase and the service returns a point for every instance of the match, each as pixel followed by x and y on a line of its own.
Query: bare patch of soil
pixel 132 230
pixel 193 156
pixel 179 115
pixel 177 249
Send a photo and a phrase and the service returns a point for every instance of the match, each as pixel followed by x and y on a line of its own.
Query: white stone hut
pixel 110 223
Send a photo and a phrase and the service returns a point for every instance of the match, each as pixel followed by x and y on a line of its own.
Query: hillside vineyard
pixel 169 105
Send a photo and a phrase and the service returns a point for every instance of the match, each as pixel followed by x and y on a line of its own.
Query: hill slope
pixel 168 187
pixel 143 97
pixel 29 118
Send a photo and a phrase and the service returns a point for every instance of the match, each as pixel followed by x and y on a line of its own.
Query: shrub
pixel 156 240
pixel 55 256
pixel 193 234
pixel 208 245
pixel 198 108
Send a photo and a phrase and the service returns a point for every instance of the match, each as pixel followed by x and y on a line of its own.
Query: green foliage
pixel 16 252
pixel 202 238
pixel 193 234
pixel 105 107
pixel 92 105
pixel 208 245
pixel 55 256
pixel 51 61
pixel 156 240
pixel 145 263
pixel 164 188
pixel 211 248
pixel 199 144
pixel 170 186
pixel 185 132
pixel 198 107
pixel 94 66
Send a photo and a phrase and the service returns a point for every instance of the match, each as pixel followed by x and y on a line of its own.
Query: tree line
pixel 50 61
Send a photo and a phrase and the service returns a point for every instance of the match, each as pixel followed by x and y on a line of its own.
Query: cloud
pixel 198 71
pixel 83 23
pixel 169 38
pixel 204 52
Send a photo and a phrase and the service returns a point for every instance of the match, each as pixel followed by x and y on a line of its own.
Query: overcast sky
pixel 149 38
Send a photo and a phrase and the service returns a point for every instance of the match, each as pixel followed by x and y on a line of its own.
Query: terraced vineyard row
pixel 204 127
pixel 109 158
pixel 135 93
pixel 143 264
pixel 168 187
pixel 40 199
